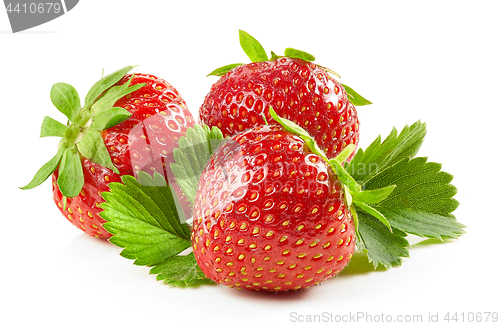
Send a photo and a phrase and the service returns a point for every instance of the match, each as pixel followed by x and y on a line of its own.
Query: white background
pixel 436 61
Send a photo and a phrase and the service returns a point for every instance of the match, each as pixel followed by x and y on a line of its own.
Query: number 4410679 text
pixel 40 8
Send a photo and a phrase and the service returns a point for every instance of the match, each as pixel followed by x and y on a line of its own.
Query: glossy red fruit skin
pixel 297 90
pixel 270 215
pixel 143 142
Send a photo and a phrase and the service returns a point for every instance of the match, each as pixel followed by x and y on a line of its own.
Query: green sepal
pixel 66 99
pixel 339 170
pixel 224 70
pixel 52 128
pixel 344 177
pixel 92 147
pixel 65 202
pixel 373 196
pixel 354 215
pixel 297 54
pixel 46 170
pixel 70 179
pixel 274 56
pixel 347 196
pixel 109 118
pixel 375 213
pixel 329 71
pixel 354 97
pixel 115 93
pixel 252 47
pixel 103 84
pixel 345 153
pixel 290 125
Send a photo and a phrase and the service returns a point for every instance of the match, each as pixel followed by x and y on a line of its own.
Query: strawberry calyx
pixel 255 51
pixel 354 194
pixel 81 135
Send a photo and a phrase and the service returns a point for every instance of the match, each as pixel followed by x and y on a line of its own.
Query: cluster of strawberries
pixel 270 213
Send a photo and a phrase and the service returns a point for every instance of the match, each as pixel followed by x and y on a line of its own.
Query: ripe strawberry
pixel 270 214
pixel 142 142
pixel 296 89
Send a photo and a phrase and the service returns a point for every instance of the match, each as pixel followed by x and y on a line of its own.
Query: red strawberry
pixel 142 142
pixel 270 214
pixel 298 90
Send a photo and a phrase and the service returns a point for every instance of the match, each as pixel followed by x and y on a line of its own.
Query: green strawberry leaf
pixel 354 97
pixel 142 217
pixel 179 271
pixel 297 54
pixel 380 244
pixel 224 70
pixel 103 84
pixel 414 196
pixel 192 155
pixel 423 224
pixel 46 170
pixel 422 202
pixel 92 147
pixel 109 118
pixel 380 155
pixel 252 47
pixel 70 180
pixel 65 98
pixel 52 128
pixel 155 187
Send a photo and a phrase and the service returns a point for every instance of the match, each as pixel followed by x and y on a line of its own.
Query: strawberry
pixel 141 137
pixel 296 88
pixel 270 214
